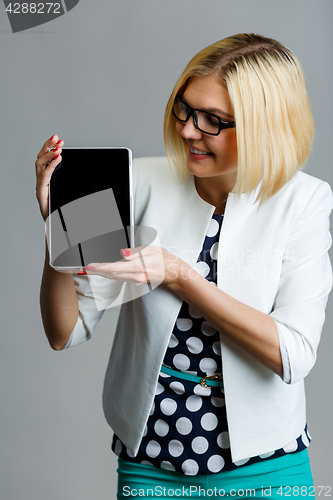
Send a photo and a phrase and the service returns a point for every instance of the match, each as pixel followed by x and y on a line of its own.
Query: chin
pixel 199 170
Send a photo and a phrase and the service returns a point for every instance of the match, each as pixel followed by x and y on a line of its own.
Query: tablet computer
pixel 90 207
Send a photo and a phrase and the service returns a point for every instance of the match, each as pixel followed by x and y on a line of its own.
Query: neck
pixel 213 192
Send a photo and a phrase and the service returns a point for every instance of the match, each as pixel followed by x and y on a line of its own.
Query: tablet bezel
pixel 131 227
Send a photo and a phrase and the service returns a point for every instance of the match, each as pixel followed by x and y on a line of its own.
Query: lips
pixel 198 151
pixel 198 154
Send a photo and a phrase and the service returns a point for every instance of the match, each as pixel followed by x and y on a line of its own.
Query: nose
pixel 189 131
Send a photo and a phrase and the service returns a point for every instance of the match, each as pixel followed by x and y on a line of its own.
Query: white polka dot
pixel 193 403
pixel 168 406
pixel 194 313
pixel 202 268
pixel 194 345
pixel 161 428
pixel 223 440
pixel 217 401
pixel 241 462
pixel 153 449
pixel 129 453
pixel 173 342
pixel 212 228
pixel 152 409
pixel 146 430
pixel 207 328
pixel 190 467
pixel 217 348
pixel 208 365
pixel 305 439
pixel 213 283
pixel 164 375
pixel 177 387
pixel 118 447
pixel 181 362
pixel 202 391
pixel 184 324
pixel 199 445
pixel 214 251
pixel 290 447
pixel 167 465
pixel 215 463
pixel 145 462
pixel 208 421
pixel 184 425
pixel 159 389
pixel 266 455
pixel 308 433
pixel 175 448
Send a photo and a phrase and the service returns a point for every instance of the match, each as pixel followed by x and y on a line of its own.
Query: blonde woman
pixel 205 385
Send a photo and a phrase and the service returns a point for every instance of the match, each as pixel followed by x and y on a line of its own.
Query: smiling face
pixel 210 157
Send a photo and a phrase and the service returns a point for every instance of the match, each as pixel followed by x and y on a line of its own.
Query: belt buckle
pixel 210 377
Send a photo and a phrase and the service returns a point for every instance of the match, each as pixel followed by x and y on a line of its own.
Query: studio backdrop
pixel 99 74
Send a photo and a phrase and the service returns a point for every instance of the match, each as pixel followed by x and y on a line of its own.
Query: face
pixel 209 156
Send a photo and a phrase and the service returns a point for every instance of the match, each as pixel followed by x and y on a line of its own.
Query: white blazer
pixel 273 258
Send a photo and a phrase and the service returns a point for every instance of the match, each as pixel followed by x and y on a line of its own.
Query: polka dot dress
pixel 187 429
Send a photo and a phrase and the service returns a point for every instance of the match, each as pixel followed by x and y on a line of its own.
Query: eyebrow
pixel 211 110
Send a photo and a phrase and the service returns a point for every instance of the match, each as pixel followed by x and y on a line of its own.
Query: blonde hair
pixel 274 122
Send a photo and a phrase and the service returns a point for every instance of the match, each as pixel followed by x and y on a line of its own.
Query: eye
pixel 181 110
pixel 212 120
pixel 182 107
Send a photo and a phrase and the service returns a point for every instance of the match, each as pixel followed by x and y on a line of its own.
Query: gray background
pixel 100 76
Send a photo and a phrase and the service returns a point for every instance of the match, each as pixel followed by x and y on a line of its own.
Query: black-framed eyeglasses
pixel 203 121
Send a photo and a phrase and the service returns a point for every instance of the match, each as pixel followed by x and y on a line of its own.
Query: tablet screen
pixel 90 206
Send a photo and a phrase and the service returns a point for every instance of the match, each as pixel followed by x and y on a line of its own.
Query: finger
pixel 54 141
pixel 120 267
pixel 43 162
pixel 47 145
pixel 132 278
pixel 98 268
pixel 134 253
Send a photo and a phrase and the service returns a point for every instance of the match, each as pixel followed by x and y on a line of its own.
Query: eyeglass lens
pixel 204 121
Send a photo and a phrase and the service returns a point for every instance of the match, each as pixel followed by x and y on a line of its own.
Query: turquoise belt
pixel 207 381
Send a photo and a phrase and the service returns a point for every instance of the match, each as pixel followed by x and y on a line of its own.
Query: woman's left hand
pixel 141 265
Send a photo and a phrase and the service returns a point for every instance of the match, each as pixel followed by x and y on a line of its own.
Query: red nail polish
pixel 125 252
pixel 81 273
pixel 55 149
pixel 52 137
pixel 58 141
pixel 90 268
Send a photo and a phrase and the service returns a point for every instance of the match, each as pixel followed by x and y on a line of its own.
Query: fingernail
pixel 81 273
pixel 125 252
pixel 56 157
pixel 52 137
pixel 54 150
pixel 90 268
pixel 58 141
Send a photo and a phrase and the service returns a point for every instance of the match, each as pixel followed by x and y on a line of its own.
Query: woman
pixel 244 278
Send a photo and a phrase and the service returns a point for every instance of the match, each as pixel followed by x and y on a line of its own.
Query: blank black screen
pixel 83 172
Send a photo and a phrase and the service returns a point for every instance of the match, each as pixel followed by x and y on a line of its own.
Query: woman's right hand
pixel 45 164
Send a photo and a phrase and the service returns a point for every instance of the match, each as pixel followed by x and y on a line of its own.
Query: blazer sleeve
pixel 94 295
pixel 305 283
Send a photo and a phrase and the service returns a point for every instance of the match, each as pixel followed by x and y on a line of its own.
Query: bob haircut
pixel 274 122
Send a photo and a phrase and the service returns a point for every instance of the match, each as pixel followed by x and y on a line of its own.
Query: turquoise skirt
pixel 279 478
